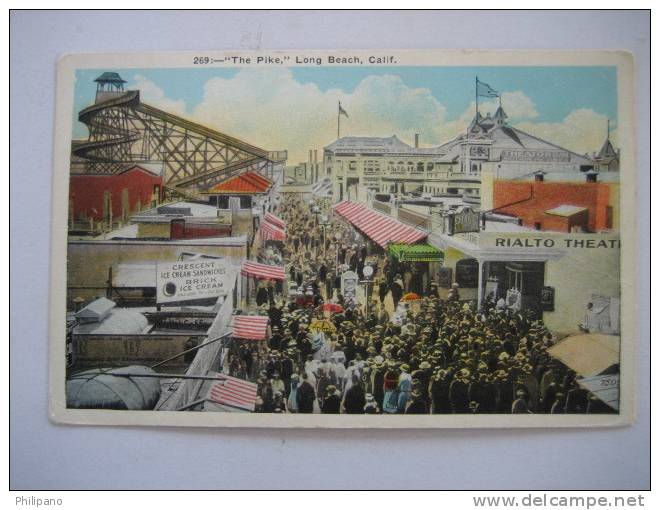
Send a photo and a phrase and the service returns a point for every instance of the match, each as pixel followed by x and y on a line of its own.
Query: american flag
pixel 234 392
pixel 250 327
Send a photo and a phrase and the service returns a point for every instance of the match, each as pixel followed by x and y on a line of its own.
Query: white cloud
pixel 516 105
pixel 152 94
pixel 582 130
pixel 270 109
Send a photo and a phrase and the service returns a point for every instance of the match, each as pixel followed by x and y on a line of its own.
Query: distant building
pixel 245 187
pixel 384 165
pixel 607 158
pixel 183 220
pixel 388 165
pixel 581 204
pixel 107 335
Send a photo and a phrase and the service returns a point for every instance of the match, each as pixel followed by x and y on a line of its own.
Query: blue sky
pixel 554 92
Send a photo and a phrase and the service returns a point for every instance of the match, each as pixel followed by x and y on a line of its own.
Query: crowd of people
pixel 443 357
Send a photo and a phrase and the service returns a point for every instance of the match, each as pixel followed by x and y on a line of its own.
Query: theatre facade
pixel 555 275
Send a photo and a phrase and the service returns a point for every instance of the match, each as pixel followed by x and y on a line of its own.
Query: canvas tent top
pixel 589 354
pixel 98 389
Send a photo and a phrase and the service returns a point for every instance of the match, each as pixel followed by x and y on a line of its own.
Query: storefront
pixel 419 261
pixel 378 227
pixel 530 272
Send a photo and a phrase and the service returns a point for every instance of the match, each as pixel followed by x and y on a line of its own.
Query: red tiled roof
pixel 247 183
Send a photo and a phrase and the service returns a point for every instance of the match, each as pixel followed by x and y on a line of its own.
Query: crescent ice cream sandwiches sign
pixel 194 279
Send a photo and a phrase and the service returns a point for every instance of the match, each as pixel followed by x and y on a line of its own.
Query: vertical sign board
pixel 188 280
pixel 349 281
pixel 548 299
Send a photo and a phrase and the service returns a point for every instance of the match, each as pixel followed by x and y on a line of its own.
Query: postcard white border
pixel 67 66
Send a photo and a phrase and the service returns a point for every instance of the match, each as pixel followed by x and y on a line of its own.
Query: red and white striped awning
pixel 381 228
pixel 234 392
pixel 270 232
pixel 262 271
pixel 274 220
pixel 250 327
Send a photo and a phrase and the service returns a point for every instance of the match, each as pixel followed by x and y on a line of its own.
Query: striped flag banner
pixel 262 271
pixel 234 392
pixel 270 232
pixel 274 220
pixel 250 327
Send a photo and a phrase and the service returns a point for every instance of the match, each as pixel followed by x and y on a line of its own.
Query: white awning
pixel 588 354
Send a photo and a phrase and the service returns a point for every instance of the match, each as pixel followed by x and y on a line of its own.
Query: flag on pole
pixel 234 392
pixel 342 111
pixel 484 90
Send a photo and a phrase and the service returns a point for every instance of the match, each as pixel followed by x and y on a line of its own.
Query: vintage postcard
pixel 375 239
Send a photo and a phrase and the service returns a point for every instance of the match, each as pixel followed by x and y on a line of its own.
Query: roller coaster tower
pixel 123 131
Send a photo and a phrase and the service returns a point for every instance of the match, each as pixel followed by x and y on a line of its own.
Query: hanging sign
pixel 187 280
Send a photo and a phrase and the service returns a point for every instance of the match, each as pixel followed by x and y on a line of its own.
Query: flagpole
pixel 476 98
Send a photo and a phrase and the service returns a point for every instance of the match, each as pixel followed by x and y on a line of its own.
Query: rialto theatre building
pixel 554 274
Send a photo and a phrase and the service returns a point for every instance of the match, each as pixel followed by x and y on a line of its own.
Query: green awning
pixel 416 252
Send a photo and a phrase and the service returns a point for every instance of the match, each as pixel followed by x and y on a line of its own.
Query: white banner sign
pixel 187 280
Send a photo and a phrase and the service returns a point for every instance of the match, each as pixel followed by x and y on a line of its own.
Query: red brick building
pixel 115 196
pixel 557 206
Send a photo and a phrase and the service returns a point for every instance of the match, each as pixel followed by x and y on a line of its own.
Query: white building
pixel 388 165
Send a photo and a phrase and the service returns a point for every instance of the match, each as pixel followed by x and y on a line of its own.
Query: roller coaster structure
pixel 123 131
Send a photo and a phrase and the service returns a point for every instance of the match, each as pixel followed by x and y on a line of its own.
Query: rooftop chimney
pixel 416 140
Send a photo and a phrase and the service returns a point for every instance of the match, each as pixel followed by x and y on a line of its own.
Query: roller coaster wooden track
pixel 124 131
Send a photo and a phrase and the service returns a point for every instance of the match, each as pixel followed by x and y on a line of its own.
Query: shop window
pixel 246 202
pixel 223 202
pixel 467 273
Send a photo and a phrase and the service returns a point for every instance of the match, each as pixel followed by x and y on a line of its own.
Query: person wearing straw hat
pixel 417 404
pixel 331 404
pixel 404 387
pixel 354 399
pixel 306 396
